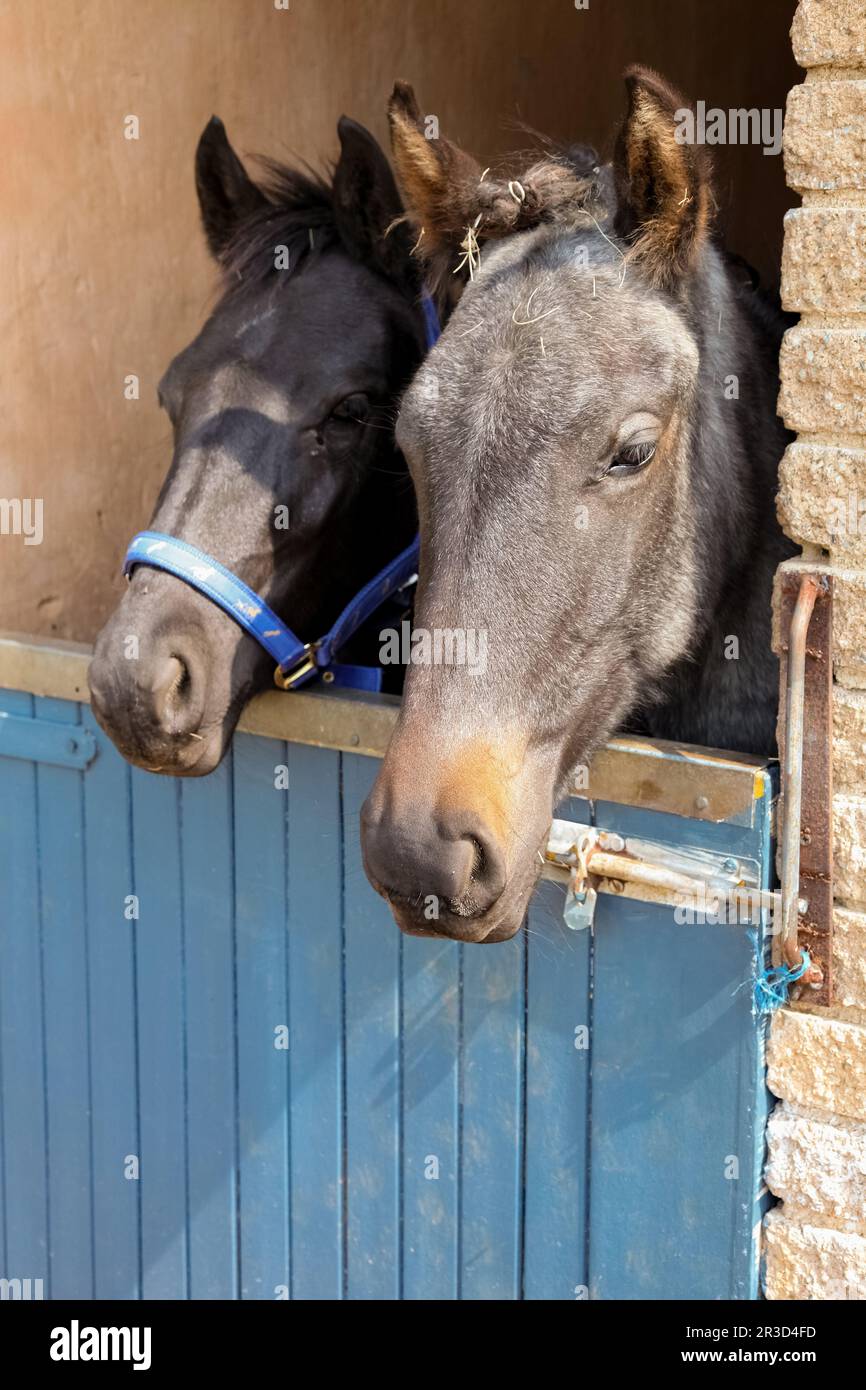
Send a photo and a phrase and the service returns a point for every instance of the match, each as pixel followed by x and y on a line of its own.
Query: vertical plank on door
pixel 110 887
pixel 558 1062
pixel 260 817
pixel 431 1118
pixel 208 912
pixel 22 1054
pixel 158 874
pixel 316 1057
pixel 373 1064
pixel 492 1105
pixel 65 955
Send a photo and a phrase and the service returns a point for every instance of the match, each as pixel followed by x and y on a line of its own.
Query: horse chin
pixel 197 756
pixel 471 932
pixel 500 923
pixel 468 931
pixel 199 760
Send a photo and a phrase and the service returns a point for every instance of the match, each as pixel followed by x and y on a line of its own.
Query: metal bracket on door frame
pixel 707 886
pixel 806 739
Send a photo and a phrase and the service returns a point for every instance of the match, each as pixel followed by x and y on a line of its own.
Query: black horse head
pixel 284 466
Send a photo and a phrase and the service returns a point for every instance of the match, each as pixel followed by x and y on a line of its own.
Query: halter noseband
pixel 297 662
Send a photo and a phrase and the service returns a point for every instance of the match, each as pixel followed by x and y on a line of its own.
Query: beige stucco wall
pixel 816 1239
pixel 102 268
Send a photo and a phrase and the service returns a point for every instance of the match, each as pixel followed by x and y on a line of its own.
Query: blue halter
pixel 297 662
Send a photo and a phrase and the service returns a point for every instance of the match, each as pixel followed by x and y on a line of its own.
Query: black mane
pixel 299 215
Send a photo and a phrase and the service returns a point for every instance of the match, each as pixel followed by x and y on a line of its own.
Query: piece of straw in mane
pixel 552 189
pixel 557 189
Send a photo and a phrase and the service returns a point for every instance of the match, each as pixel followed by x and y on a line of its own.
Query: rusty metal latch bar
pixel 792 781
pixel 710 886
pixel 806 809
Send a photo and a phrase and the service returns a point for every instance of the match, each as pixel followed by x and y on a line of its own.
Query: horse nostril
pixel 167 677
pixel 182 682
pixel 423 854
pixel 173 690
pixel 487 875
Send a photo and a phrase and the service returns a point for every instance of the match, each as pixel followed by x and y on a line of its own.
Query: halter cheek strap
pixel 297 662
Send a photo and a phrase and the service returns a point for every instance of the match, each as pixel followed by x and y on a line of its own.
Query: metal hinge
pixel 45 741
pixel 704 886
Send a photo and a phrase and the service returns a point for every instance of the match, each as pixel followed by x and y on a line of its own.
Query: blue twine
pixel 771 986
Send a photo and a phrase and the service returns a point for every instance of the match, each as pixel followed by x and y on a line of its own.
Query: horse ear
pixel 440 181
pixel 367 205
pixel 226 193
pixel 663 185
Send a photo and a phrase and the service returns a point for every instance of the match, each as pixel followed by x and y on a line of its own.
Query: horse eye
pixel 351 410
pixel 631 459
